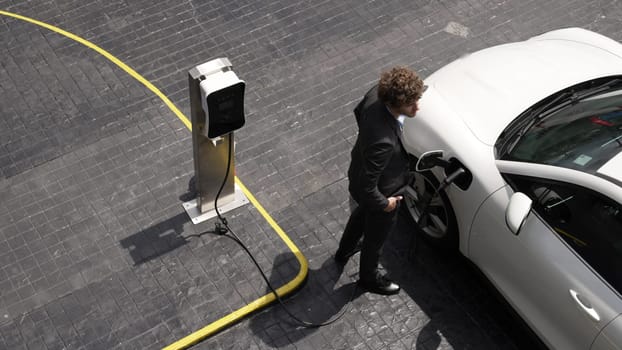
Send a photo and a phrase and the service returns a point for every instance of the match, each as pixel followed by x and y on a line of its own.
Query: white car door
pixel 542 271
pixel 610 337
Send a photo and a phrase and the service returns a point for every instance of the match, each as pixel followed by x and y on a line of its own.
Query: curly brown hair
pixel 400 86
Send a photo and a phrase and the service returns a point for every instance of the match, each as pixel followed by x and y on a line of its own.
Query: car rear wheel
pixel 439 223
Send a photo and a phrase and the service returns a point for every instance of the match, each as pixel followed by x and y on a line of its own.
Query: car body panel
pixel 582 36
pixel 466 107
pixel 613 168
pixel 580 178
pixel 535 271
pixel 610 337
pixel 488 91
pixel 442 133
pixel 466 125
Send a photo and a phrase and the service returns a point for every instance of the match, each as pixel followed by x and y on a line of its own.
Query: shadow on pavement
pixel 462 306
pixel 162 237
pixel 156 240
pixel 318 301
pixel 448 305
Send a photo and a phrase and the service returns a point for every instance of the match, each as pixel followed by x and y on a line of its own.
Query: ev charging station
pixel 217 109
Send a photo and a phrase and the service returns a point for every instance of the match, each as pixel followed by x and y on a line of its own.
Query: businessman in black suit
pixel 379 172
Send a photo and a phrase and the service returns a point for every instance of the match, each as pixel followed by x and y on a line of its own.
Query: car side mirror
pixel 429 160
pixel 517 211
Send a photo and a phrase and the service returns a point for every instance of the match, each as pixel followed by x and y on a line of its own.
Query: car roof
pixel 491 87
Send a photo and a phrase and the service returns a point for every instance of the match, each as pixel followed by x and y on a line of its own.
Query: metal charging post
pixel 212 133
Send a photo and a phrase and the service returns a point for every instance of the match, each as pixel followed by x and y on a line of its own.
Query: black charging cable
pixel 222 227
pixel 449 179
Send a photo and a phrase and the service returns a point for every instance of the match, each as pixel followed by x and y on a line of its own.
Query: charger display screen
pixel 226 110
pixel 225 105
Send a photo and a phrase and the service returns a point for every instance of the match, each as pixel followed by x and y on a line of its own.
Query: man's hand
pixel 392 203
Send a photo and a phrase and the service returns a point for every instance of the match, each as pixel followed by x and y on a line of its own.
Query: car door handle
pixel 585 306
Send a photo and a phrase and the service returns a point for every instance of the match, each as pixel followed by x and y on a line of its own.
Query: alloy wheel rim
pixel 435 223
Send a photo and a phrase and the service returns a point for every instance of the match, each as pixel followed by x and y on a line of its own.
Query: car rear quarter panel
pixel 437 127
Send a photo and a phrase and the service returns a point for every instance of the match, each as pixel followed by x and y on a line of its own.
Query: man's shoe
pixel 342 258
pixel 380 285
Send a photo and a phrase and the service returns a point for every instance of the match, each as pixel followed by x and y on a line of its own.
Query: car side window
pixel 590 223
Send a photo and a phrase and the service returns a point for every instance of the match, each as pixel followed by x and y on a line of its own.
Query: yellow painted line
pixel 267 299
pixel 109 56
pixel 255 305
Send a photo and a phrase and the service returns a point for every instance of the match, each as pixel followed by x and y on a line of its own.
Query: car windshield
pixel 582 136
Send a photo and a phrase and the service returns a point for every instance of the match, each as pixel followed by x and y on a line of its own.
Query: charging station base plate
pixel 197 217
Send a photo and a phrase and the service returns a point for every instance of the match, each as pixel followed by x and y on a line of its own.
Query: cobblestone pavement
pixel 96 251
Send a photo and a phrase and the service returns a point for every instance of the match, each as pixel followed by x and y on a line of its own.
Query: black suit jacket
pixel 380 164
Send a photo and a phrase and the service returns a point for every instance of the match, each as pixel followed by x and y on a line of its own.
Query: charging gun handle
pixel 452 177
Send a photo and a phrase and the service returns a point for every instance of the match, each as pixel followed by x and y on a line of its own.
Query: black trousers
pixel 374 226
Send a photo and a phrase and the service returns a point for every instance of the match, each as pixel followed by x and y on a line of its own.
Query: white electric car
pixel 536 127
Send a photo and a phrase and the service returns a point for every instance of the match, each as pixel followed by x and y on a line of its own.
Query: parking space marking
pixel 255 305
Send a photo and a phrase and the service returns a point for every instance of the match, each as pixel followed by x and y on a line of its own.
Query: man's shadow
pixel 322 298
pixel 450 292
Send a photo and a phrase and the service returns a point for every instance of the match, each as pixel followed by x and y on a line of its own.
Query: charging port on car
pixel 463 181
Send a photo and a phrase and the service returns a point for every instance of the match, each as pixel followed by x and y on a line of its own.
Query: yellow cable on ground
pixel 254 305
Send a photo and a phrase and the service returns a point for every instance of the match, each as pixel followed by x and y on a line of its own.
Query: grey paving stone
pixel 93 165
